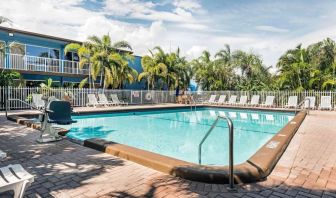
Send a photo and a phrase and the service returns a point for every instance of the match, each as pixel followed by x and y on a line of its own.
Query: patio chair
pixel 93 101
pixel 2 155
pixel 325 103
pixel 58 112
pixel 103 100
pixel 37 101
pixel 220 100
pixel 312 100
pixel 269 101
pixel 211 100
pixel 255 100
pixel 15 178
pixel 292 102
pixel 242 100
pixel 232 100
pixel 116 100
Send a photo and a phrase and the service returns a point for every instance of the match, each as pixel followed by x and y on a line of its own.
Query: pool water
pixel 177 133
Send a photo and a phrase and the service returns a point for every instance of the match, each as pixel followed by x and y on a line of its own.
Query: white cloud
pixel 269 28
pixel 192 5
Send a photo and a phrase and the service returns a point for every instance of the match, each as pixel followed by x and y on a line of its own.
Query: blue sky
pixel 265 27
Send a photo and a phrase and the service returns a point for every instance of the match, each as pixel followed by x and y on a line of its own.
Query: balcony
pixel 41 64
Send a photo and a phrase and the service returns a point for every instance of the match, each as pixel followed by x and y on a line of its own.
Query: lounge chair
pixel 58 112
pixel 232 100
pixel 15 178
pixel 269 101
pixel 325 103
pixel 255 100
pixel 292 102
pixel 116 100
pixel 93 101
pixel 37 101
pixel 2 155
pixel 242 100
pixel 211 100
pixel 220 100
pixel 312 100
pixel 103 100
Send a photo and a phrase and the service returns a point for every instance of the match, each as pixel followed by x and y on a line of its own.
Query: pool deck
pixel 65 169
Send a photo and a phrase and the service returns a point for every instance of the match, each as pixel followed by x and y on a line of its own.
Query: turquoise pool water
pixel 177 133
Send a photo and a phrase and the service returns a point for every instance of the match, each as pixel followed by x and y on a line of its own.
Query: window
pixel 37 51
pixel 71 56
pixel 54 53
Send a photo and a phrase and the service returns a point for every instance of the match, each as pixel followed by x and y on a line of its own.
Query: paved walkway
pixel 65 169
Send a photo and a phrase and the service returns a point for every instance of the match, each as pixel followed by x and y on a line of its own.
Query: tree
pixel 105 57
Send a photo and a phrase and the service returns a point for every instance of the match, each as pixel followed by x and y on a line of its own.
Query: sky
pixel 265 27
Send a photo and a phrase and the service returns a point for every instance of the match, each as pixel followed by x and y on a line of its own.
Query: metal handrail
pixel 301 103
pixel 231 132
pixel 24 102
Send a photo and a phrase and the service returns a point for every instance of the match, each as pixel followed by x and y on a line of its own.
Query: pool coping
pixel 256 168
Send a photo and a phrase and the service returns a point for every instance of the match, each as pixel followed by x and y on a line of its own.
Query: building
pixel 39 57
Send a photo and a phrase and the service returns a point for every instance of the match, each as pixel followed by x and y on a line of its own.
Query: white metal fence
pixel 138 97
pixel 79 96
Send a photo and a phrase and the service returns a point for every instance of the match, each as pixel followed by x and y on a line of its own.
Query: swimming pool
pixel 177 132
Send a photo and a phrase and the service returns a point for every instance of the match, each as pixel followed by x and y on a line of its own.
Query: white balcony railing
pixel 41 64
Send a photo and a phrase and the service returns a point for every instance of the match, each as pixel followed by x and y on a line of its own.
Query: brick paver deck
pixel 65 169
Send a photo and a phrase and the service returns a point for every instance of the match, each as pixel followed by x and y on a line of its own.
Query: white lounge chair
pixel 269 101
pixel 103 99
pixel 311 104
pixel 232 100
pixel 221 100
pixel 242 100
pixel 2 155
pixel 211 100
pixel 255 100
pixel 292 102
pixel 325 103
pixel 37 101
pixel 93 101
pixel 116 100
pixel 18 182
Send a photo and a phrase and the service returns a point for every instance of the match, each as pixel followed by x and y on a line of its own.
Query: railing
pixel 78 97
pixel 303 102
pixel 21 101
pixel 156 97
pixel 41 64
pixel 231 133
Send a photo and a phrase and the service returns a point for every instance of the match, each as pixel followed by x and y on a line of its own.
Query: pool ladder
pixel 231 132
pixel 301 103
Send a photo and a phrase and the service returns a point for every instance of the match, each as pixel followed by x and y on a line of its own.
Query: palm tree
pixel 153 71
pixel 105 57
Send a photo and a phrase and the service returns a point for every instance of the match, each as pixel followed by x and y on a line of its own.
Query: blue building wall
pixel 56 44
